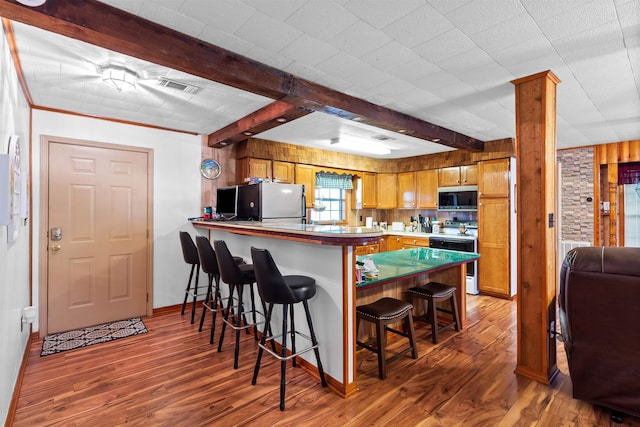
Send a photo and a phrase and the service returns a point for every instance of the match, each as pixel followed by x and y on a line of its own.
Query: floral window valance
pixel 341 181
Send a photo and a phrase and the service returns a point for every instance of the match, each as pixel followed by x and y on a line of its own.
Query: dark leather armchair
pixel 600 322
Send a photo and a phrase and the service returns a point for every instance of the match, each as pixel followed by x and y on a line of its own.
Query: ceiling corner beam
pixel 268 117
pixel 111 28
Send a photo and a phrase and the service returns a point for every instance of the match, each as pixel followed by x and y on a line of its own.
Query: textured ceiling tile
pixel 578 20
pixel 444 46
pixel 479 15
pixel 308 50
pixel 229 15
pixel 445 6
pixel 390 56
pixel 359 39
pixel 419 26
pixel 266 32
pixel 278 9
pixel 322 20
pixel 507 33
pixel 414 70
pixel 544 9
pixel 171 18
pixel 381 13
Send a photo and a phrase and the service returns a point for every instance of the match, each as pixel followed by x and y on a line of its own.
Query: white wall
pixel 14 257
pixel 176 183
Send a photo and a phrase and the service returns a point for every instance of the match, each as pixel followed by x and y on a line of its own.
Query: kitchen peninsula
pixel 327 253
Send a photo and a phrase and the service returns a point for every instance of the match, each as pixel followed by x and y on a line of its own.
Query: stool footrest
pixel 290 356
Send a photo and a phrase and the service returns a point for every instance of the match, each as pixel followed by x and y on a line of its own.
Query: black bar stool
pixel 274 288
pixel 382 313
pixel 209 263
pixel 237 277
pixel 433 293
pixel 190 255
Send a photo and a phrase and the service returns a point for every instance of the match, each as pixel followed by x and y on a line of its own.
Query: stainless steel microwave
pixel 463 198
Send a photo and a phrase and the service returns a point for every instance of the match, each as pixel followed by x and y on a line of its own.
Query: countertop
pixel 409 262
pixel 323 234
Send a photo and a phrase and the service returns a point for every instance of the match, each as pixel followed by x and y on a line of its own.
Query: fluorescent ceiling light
pixel 363 147
pixel 119 78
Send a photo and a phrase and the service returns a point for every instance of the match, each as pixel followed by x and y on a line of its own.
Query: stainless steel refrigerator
pixel 272 202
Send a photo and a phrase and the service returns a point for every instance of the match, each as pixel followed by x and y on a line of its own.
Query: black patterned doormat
pixel 63 341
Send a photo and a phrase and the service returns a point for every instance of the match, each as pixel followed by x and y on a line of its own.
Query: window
pixel 331 205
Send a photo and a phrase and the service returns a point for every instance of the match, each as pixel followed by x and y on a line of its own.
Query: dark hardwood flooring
pixel 172 376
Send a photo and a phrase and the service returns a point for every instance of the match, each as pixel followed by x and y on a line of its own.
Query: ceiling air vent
pixel 382 138
pixel 182 87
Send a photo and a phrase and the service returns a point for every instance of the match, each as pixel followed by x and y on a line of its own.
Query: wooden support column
pixel 536 201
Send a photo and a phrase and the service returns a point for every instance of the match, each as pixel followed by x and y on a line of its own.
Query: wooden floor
pixel 171 376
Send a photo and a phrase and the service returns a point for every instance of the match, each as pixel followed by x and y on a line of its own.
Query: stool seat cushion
pixel 433 289
pixel 248 275
pixel 303 287
pixel 385 308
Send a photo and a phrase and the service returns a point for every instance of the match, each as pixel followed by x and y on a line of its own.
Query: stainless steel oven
pixel 467 244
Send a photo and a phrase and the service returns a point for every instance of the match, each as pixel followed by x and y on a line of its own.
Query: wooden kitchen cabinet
pixel 283 172
pixel 393 242
pixel 386 186
pixel 306 175
pixel 414 242
pixel 469 175
pixel 406 190
pixel 458 175
pixel 493 246
pixel 252 168
pixel 494 225
pixel 366 250
pixel 494 178
pixel 368 188
pixel 427 189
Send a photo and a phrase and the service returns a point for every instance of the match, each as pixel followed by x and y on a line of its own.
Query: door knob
pixel 55 248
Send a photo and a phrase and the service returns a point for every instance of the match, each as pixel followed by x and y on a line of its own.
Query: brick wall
pixel 577 186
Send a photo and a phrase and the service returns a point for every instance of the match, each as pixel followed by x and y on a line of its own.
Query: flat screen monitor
pixel 227 201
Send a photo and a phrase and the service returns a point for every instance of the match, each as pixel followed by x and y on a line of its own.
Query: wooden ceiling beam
pixel 268 117
pixel 114 29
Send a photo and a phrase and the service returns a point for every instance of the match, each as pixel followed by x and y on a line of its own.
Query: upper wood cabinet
pixel 458 175
pixel 283 172
pixel 386 185
pixel 248 167
pixel 494 178
pixel 306 175
pixel 427 189
pixel 368 188
pixel 469 175
pixel 406 190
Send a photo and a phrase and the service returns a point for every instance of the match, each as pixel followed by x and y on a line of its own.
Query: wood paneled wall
pixel 263 149
pixel 611 155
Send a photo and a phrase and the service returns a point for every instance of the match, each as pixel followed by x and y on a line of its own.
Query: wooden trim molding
pixel 13 405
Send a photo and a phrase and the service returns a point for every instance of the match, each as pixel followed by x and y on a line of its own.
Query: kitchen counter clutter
pixel 405 263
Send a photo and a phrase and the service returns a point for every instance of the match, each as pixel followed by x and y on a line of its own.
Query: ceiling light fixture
pixel 119 78
pixel 32 3
pixel 247 133
pixel 281 120
pixel 363 147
